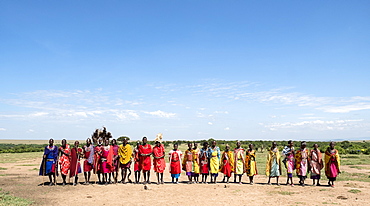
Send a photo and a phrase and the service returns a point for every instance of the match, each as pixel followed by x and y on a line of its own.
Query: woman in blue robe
pixel 49 162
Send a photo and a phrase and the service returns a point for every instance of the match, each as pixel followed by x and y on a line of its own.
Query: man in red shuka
pixel 145 150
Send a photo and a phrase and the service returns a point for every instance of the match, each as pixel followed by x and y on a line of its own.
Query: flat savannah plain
pixel 19 178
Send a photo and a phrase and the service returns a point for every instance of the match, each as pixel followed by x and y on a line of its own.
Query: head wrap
pixel 158 138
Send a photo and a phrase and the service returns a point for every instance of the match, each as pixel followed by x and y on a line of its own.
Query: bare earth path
pixel 21 179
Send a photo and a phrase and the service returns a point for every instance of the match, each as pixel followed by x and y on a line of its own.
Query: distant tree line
pixel 20 148
pixel 344 147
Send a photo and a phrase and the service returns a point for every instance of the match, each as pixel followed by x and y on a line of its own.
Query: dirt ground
pixel 21 179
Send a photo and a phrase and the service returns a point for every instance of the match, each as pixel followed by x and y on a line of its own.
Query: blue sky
pixel 189 69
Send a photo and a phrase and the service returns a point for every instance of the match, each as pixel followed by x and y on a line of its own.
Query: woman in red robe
pixel 64 160
pixel 145 150
pixel 175 163
pixel 204 165
pixel 158 161
pixel 106 162
pixel 97 159
pixel 89 160
pixel 75 167
pixel 137 163
pixel 115 158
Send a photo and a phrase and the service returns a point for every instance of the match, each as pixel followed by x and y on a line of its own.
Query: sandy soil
pixel 21 179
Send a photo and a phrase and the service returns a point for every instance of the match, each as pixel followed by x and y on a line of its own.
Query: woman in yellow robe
pixel 125 158
pixel 214 162
pixel 273 166
pixel 196 162
pixel 250 163
pixel 239 162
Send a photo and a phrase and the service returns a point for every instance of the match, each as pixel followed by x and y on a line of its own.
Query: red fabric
pixel 115 158
pixel 136 166
pixel 136 160
pixel 145 161
pixel 226 169
pixel 204 168
pixel 159 164
pixel 175 163
pixel 110 159
pixel 87 154
pixel 87 166
pixel 75 162
pixel 97 159
pixel 64 160
pixel 105 167
pixel 204 164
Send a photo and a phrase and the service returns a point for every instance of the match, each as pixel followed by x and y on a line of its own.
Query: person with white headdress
pixel 159 164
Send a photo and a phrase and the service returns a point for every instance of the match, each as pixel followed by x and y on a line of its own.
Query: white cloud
pixel 313 117
pixel 318 124
pixel 2 129
pixel 160 113
pixel 211 101
pixel 221 112
pixel 246 91
pixel 38 114
pixel 201 115
pixel 82 114
pixel 125 114
pixel 345 108
pixel 309 114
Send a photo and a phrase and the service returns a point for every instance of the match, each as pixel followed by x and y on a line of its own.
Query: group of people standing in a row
pixel 303 161
pixel 106 159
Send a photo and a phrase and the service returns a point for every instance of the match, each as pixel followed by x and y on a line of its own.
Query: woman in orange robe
pixel 187 163
pixel 301 160
pixel 315 163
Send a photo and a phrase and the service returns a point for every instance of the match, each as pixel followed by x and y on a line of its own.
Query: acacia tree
pixel 121 138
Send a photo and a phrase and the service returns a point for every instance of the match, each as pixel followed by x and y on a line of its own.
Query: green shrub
pixel 341 150
pixel 367 151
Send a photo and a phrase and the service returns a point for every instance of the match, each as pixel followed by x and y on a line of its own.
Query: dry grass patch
pixel 354 191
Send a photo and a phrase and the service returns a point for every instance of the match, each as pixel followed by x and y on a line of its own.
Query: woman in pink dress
pixel 332 164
